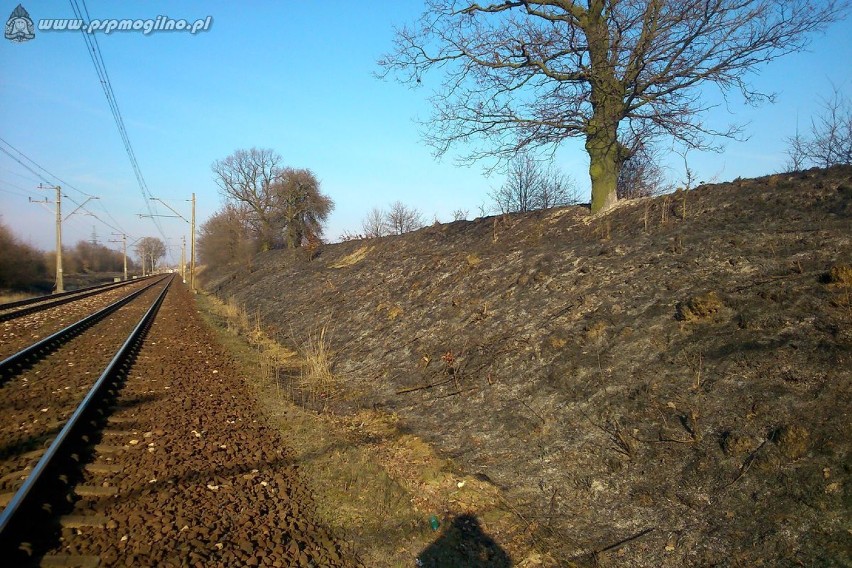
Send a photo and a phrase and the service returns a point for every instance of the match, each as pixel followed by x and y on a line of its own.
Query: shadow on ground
pixel 463 543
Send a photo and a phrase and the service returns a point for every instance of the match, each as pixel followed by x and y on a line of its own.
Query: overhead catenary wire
pixel 8 183
pixel 64 183
pixel 42 178
pixel 94 51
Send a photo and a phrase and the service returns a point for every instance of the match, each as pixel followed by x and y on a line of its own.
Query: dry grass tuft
pixel 236 315
pixel 840 274
pixel 352 259
pixel 794 441
pixel 698 307
pixel 317 380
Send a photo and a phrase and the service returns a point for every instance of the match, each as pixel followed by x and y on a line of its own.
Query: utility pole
pixel 183 259
pixel 123 242
pixel 60 286
pixel 192 237
pixel 124 252
pixel 192 249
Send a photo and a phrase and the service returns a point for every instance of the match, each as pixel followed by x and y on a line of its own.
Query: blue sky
pixel 296 77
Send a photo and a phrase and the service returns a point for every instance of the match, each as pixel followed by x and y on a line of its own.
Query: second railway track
pixel 22 331
pixel 20 308
pixel 41 396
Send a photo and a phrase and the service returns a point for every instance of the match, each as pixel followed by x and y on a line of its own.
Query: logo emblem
pixel 19 26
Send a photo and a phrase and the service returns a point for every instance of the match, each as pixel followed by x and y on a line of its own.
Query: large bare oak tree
pixel 519 74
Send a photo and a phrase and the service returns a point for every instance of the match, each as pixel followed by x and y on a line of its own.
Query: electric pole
pixel 192 249
pixel 60 286
pixel 192 237
pixel 183 259
pixel 123 249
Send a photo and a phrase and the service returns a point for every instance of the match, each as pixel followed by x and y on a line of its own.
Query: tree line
pixel 24 267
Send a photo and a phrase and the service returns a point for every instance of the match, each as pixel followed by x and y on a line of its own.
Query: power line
pixel 45 180
pixel 12 192
pixel 32 171
pixel 64 183
pixel 20 175
pixel 16 186
pixel 94 51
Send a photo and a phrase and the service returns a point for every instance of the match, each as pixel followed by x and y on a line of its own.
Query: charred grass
pixel 374 484
pixel 667 384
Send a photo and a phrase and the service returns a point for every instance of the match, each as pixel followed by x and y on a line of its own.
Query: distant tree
pixel 301 206
pixel 525 73
pixel 830 139
pixel 225 238
pixel 530 186
pixel 460 214
pixel 375 224
pixel 21 265
pixel 640 174
pixel 92 257
pixel 350 236
pixel 797 152
pixel 283 205
pixel 246 178
pixel 402 219
pixel 557 190
pixel 150 251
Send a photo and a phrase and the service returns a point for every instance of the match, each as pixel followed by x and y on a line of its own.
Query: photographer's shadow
pixel 463 545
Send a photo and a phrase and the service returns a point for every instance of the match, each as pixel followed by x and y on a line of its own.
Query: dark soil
pixel 667 384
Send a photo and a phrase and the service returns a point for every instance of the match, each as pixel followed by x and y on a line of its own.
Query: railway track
pixel 54 403
pixel 167 465
pixel 20 308
pixel 26 329
pixel 15 363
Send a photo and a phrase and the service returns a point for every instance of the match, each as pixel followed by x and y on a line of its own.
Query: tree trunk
pixel 602 146
pixel 607 98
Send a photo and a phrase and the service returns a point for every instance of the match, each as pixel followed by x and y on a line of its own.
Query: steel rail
pixel 18 502
pixel 46 302
pixel 49 343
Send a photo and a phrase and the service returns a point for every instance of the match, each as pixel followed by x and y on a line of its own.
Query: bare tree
pixel 640 174
pixel 797 152
pixel 225 238
pixel 831 133
pixel 246 177
pixel 21 265
pixel 402 219
pixel 460 214
pixel 300 205
pixel 557 190
pixel 524 73
pixel 374 224
pixel 150 250
pixel 517 194
pixel 530 186
pixel 282 205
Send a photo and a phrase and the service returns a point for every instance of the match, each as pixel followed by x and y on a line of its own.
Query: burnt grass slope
pixel 677 370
